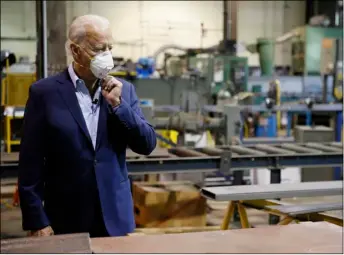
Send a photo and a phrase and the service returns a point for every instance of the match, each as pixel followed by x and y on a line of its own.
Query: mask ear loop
pixel 88 55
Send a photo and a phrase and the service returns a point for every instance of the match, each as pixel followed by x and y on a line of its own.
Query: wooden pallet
pixel 168 204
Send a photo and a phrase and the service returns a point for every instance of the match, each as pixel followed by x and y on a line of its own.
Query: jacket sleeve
pixel 31 164
pixel 141 135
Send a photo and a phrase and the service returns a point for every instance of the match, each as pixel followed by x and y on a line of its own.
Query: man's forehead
pixel 99 37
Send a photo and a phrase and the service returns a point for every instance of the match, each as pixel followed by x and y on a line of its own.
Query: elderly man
pixel 77 127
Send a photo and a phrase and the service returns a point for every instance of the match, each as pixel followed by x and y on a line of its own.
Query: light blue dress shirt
pixel 89 106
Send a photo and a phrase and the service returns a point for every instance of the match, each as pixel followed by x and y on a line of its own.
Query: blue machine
pixel 145 68
pixel 271 128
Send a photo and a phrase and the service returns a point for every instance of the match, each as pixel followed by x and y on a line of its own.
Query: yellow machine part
pixel 15 88
pixel 122 74
pixel 338 93
pixel 338 89
pixel 168 134
pixel 173 137
pixel 278 102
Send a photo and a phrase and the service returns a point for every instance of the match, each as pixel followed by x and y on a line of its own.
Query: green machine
pixel 228 72
pixel 307 44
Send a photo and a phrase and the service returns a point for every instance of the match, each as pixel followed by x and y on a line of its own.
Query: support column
pixel 40 48
pixel 275 177
pixel 233 19
pixel 229 27
pixel 57 36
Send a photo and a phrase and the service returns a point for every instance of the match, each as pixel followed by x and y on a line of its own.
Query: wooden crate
pixel 168 204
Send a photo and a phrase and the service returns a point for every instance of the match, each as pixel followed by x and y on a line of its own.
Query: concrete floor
pixel 11 217
pixel 11 223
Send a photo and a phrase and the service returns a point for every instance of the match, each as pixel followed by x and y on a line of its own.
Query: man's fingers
pixel 109 83
pixel 108 87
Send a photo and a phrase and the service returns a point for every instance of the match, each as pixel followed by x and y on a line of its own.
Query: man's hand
pixel 112 90
pixel 47 231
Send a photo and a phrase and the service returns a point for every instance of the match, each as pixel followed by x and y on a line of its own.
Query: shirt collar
pixel 72 74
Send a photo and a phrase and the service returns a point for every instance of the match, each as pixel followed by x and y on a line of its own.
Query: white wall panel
pixel 141 27
pixel 269 19
pixel 18 20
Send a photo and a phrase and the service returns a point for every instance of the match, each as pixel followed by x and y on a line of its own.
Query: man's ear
pixel 74 49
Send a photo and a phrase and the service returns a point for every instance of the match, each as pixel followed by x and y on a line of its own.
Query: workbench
pixel 299 238
pixel 307 237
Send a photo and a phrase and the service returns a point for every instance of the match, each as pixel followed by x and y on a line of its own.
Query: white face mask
pixel 102 64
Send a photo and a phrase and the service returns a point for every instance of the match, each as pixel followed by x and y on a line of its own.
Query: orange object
pixel 16 197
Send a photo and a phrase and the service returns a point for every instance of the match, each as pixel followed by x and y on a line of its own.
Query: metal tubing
pixel 184 152
pixel 212 151
pixel 337 144
pixel 323 147
pixel 273 150
pixel 267 140
pixel 300 149
pixel 242 150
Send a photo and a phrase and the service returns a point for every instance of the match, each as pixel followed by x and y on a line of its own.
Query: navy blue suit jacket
pixel 59 166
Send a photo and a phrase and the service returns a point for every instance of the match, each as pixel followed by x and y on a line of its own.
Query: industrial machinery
pixel 145 68
pixel 338 72
pixel 229 72
pixel 230 122
pixel 16 79
pixel 123 69
pixel 307 43
pixel 7 59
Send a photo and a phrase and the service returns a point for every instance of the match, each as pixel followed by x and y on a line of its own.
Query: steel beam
pixel 283 190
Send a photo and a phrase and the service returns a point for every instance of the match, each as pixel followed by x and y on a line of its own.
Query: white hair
pixel 77 30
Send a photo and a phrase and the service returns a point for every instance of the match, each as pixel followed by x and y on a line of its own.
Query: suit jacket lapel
pixel 67 91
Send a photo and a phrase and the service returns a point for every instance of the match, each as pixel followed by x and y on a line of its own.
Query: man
pixel 77 127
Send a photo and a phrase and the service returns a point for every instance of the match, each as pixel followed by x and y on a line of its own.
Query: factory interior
pixel 246 99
